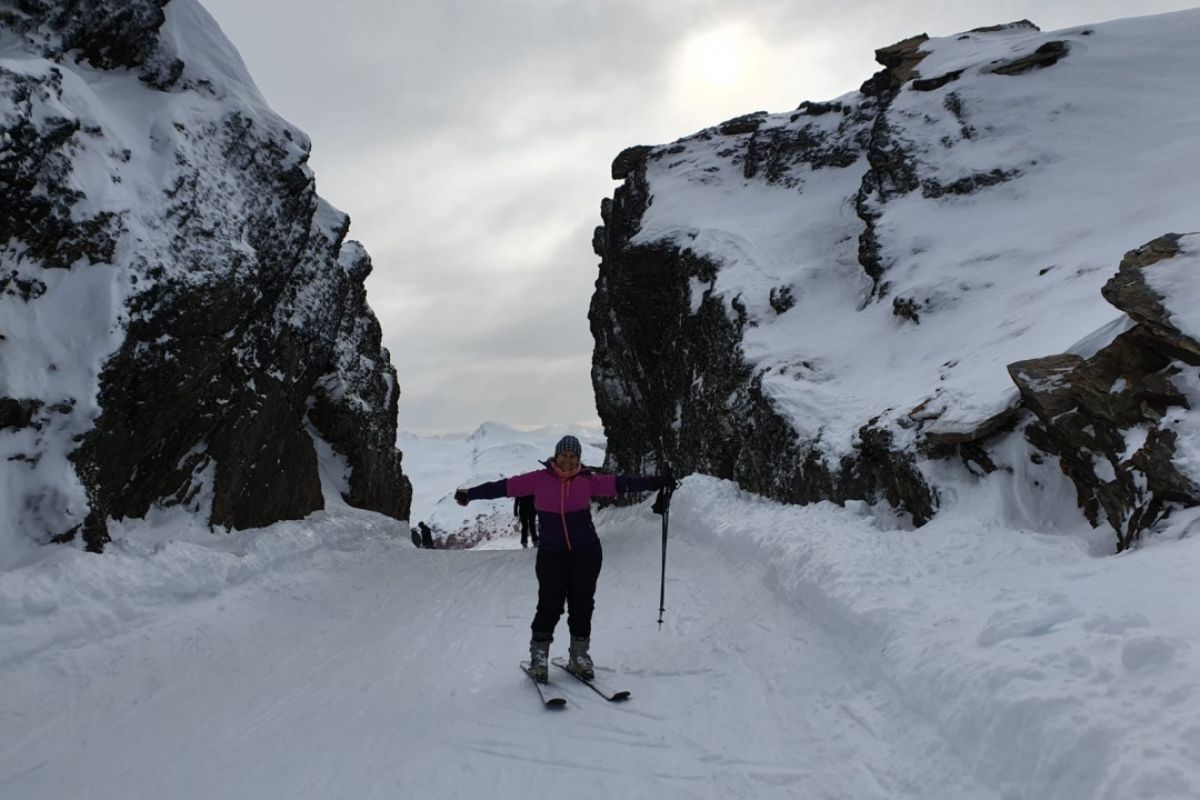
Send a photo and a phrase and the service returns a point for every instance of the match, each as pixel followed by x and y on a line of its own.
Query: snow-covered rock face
pixel 823 304
pixel 180 313
pixel 1122 421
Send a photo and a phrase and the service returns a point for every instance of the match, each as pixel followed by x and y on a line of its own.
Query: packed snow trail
pixel 366 668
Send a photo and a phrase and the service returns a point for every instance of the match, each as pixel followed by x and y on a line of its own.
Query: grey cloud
pixel 540 309
pixel 519 390
pixel 408 69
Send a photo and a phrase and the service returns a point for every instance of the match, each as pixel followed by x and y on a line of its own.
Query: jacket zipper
pixel 562 509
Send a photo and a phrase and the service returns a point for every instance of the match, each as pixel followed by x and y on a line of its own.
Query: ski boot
pixel 580 662
pixel 539 660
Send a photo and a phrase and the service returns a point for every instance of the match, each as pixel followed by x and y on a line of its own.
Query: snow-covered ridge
pixel 839 290
pixel 179 310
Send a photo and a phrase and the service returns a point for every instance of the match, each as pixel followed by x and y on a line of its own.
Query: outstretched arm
pixel 613 485
pixel 638 483
pixel 484 491
pixel 516 486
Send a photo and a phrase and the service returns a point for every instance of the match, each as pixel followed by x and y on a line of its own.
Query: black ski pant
pixel 567 576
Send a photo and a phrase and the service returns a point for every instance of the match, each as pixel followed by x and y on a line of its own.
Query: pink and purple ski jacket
pixel 564 506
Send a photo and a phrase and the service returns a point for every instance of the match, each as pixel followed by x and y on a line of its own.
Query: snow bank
pixel 1052 673
pixel 70 597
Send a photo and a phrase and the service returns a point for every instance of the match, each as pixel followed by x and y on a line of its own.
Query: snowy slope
pixel 1100 156
pixel 806 652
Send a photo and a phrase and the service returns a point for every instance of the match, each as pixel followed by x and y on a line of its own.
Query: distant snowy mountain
pixel 864 298
pixel 182 320
pixel 440 464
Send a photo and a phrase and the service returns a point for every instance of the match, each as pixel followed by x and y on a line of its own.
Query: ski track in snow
pixel 373 669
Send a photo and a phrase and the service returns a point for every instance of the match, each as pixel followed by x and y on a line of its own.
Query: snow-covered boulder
pixel 823 304
pixel 1122 421
pixel 182 321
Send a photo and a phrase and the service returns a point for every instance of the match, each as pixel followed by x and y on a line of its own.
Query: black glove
pixel 461 497
pixel 668 478
pixel 666 487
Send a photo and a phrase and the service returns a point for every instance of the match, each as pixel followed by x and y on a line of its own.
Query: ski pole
pixel 662 587
pixel 662 505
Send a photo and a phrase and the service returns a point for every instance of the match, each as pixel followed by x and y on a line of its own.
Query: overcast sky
pixel 470 142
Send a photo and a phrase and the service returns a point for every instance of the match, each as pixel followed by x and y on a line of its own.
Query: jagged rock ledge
pixel 1115 419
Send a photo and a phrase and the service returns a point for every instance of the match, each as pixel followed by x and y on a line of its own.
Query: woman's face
pixel 566 461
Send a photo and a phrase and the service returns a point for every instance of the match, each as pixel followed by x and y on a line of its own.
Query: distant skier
pixel 523 509
pixel 416 537
pixel 569 553
pixel 426 535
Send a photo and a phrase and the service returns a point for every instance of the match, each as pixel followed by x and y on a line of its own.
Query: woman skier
pixel 569 553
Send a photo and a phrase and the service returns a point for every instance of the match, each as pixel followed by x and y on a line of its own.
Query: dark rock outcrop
pixel 892 170
pixel 1046 55
pixel 18 413
pixel 105 34
pixel 35 176
pixel 667 369
pixel 900 62
pixel 1129 292
pixel 242 339
pixel 1019 25
pixel 1109 417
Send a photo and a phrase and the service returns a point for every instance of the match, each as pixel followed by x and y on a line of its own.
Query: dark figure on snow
pixel 426 535
pixel 416 537
pixel 523 509
pixel 569 554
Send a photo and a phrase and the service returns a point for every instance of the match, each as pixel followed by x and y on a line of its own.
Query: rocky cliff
pixel 855 299
pixel 182 319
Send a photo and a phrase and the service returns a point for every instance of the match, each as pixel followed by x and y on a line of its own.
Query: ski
pixel 545 691
pixel 600 689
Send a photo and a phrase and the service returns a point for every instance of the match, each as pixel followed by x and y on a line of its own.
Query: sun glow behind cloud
pixel 733 69
pixel 717 57
pixel 714 64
